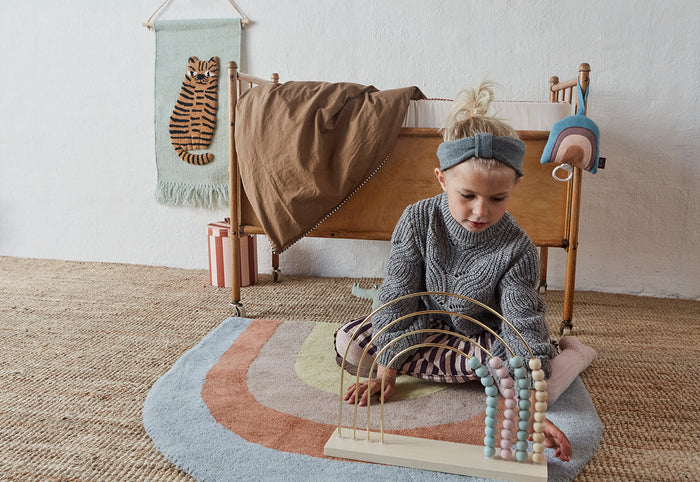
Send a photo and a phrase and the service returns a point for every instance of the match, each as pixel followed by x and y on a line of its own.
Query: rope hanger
pixel 149 23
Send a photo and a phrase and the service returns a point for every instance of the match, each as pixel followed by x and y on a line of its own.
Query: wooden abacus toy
pixel 511 462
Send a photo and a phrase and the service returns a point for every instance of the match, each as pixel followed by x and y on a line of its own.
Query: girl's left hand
pixel 366 389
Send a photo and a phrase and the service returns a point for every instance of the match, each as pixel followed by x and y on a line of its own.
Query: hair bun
pixel 469 115
pixel 473 102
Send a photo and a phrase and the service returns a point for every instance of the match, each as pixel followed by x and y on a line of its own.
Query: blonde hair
pixel 468 117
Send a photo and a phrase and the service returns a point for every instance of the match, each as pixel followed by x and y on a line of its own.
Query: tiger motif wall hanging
pixel 193 121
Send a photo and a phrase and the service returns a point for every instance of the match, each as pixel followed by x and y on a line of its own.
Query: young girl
pixel 464 241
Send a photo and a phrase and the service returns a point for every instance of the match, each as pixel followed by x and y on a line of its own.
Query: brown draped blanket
pixel 305 147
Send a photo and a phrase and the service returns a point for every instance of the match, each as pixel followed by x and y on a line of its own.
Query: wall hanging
pixel 190 112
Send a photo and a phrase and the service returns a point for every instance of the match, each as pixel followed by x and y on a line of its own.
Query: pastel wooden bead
pixel 524 414
pixel 474 363
pixel 538 375
pixel 516 362
pixel 540 385
pixel 509 393
pixel 538 426
pixel 490 421
pixel 521 456
pixel 520 372
pixel 506 382
pixel 541 396
pixel 509 413
pixel 524 394
pixel 538 437
pixel 508 424
pixel 496 362
pixel 539 458
pixel 541 406
pixel 510 402
pixel 521 445
pixel 492 411
pixel 540 416
pixel 524 383
pixel 487 381
pixel 506 443
pixel 507 435
pixel 489 452
pixel 506 454
pixel 490 441
pixel 522 435
pixel 524 404
pixel 538 447
pixel 534 364
pixel 523 425
pixel 481 371
pixel 493 401
pixel 490 431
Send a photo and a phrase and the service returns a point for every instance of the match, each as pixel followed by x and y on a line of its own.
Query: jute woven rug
pixel 82 344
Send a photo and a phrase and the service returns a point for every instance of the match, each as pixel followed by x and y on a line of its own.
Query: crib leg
pixel 565 327
pixel 542 288
pixel 276 273
pixel 236 304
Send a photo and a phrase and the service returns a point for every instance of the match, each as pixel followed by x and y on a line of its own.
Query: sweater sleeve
pixel 525 309
pixel 404 275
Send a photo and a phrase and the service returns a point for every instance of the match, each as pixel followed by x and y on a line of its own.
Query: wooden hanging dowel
pixel 245 21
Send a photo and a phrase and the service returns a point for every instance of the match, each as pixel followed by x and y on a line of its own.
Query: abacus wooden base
pixel 437 455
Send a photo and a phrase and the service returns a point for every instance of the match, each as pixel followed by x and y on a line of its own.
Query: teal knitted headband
pixel 506 150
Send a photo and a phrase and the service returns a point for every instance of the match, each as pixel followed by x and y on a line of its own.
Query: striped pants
pixel 439 364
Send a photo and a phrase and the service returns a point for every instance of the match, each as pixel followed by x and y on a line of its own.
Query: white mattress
pixel 523 116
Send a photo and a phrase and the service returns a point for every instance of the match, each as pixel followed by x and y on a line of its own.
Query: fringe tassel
pixel 192 195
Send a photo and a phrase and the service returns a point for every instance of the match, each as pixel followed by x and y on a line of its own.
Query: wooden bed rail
pixel 240 78
pixel 558 90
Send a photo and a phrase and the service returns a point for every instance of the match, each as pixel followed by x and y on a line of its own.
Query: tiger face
pixel 201 72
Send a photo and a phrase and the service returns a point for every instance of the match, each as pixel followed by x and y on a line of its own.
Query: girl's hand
pixel 367 389
pixel 556 439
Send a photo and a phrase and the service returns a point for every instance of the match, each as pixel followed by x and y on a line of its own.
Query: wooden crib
pixel 546 209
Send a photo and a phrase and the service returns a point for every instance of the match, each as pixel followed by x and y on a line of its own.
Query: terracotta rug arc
pixel 182 427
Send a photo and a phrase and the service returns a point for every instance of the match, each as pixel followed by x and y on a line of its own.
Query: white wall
pixel 76 120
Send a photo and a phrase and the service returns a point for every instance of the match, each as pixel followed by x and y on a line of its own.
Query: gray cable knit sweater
pixel 499 267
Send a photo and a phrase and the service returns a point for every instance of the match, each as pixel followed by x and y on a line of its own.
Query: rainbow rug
pixel 258 399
